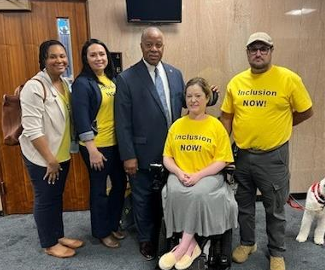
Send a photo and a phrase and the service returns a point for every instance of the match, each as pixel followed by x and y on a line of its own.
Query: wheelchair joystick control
pixel 159 176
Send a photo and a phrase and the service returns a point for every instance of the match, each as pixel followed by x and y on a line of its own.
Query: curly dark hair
pixel 44 49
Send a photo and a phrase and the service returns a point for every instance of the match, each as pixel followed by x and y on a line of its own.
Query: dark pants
pixel 48 204
pixel 269 172
pixel 147 207
pixel 106 210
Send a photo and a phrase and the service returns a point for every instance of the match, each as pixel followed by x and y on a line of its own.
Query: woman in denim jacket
pixel 93 110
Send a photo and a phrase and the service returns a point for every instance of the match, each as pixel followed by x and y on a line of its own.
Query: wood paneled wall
pixel 210 42
pixel 21 33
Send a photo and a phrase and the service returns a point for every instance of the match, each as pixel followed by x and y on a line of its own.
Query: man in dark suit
pixel 142 119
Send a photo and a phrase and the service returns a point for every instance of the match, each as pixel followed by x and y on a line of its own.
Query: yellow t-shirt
pixel 262 105
pixel 195 144
pixel 63 153
pixel 105 116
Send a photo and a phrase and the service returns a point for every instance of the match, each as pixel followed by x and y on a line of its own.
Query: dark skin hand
pixel 131 166
pixel 302 116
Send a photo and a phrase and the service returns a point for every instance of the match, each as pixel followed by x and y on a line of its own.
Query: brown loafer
pixel 70 242
pixel 60 251
pixel 110 241
pixel 119 235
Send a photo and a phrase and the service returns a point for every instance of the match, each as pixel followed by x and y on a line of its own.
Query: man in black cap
pixel 261 105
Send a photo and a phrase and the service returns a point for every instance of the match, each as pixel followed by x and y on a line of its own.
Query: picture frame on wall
pixel 15 5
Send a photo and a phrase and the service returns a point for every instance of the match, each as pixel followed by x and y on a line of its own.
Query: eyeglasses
pixel 263 50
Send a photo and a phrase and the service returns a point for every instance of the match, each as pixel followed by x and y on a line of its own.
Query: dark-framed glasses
pixel 264 50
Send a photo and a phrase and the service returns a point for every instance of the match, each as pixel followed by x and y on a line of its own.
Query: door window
pixel 63 26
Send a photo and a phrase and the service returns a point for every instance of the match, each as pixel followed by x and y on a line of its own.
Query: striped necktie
pixel 162 95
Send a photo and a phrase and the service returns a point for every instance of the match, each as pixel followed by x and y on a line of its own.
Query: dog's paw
pixel 301 238
pixel 319 241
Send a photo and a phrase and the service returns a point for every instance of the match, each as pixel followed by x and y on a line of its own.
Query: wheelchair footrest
pixel 199 263
pixel 221 262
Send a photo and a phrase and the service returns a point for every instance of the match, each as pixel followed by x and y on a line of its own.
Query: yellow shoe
pixel 167 261
pixel 186 261
pixel 241 253
pixel 277 263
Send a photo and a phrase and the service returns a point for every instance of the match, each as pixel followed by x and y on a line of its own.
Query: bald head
pixel 152 45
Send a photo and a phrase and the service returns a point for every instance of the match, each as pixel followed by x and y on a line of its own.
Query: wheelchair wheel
pixel 198 264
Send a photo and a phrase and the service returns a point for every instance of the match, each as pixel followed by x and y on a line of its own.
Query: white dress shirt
pixel 162 73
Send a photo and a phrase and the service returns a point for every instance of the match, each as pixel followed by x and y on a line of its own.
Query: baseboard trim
pixel 297 196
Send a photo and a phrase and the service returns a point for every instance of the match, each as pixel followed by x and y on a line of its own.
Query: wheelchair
pixel 219 251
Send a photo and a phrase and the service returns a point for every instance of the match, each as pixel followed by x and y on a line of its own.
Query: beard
pixel 260 67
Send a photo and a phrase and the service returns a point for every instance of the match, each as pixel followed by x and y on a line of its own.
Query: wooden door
pixel 21 33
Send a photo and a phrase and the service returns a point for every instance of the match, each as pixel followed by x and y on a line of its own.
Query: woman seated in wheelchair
pixel 196 198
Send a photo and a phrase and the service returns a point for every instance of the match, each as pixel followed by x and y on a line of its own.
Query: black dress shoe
pixel 147 250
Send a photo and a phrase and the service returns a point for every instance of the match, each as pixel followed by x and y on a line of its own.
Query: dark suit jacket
pixel 141 125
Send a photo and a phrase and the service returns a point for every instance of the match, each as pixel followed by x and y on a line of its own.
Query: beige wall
pixel 210 42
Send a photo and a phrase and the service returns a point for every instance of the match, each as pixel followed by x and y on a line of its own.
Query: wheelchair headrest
pixel 213 99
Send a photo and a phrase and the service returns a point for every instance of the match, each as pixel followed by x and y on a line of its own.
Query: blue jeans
pixel 48 203
pixel 105 211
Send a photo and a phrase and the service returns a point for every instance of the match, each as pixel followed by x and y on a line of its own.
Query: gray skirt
pixel 207 208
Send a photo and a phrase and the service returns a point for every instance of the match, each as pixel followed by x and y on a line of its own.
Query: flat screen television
pixel 154 11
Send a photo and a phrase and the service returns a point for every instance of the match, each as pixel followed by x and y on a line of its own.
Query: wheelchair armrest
pixel 228 173
pixel 229 169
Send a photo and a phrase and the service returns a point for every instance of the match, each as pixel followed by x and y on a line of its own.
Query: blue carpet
pixel 20 250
